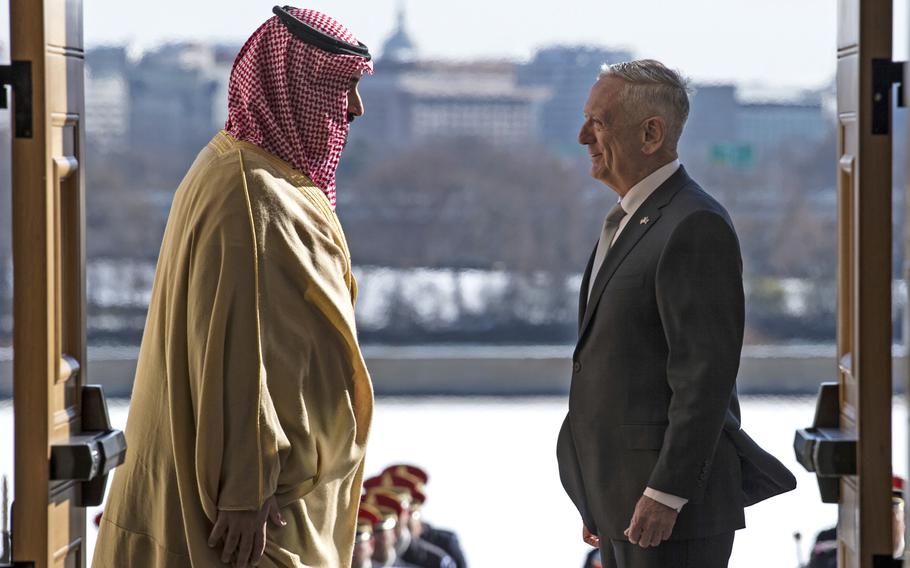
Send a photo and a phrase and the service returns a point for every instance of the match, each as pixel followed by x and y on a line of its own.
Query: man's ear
pixel 653 134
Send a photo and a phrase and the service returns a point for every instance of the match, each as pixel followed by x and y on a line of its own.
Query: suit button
pixel 576 366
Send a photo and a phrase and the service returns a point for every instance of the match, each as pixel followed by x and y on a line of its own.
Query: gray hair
pixel 653 89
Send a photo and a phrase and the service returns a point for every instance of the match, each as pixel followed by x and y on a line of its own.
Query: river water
pixel 494 477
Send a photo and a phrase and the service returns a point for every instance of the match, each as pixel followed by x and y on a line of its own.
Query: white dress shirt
pixel 631 201
pixel 642 190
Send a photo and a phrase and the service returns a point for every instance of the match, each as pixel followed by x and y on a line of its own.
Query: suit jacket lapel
pixel 639 224
pixel 585 284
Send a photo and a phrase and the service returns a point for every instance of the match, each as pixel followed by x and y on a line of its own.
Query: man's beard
pixel 347 134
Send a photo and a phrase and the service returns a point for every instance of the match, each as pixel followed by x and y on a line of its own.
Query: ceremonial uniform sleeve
pixel 239 441
pixel 700 299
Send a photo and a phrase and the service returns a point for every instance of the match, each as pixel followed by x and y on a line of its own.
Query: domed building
pixel 413 99
pixel 399 48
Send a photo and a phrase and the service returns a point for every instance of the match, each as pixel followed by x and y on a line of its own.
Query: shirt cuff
pixel 671 501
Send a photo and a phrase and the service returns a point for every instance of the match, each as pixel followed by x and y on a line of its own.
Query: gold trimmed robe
pixel 250 381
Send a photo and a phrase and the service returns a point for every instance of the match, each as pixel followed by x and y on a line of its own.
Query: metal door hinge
pixel 885 74
pixel 18 75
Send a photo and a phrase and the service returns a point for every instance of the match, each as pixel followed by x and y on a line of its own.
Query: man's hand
pixel 244 533
pixel 590 539
pixel 651 523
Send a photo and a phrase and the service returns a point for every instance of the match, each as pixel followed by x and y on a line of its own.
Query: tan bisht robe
pixel 250 380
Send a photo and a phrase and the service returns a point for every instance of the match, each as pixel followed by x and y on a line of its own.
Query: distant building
pixel 712 117
pixel 220 72
pixel 770 126
pixel 171 94
pixel 479 100
pixel 106 97
pixel 399 47
pixel 567 72
pixel 724 130
pixel 411 100
pixel 407 103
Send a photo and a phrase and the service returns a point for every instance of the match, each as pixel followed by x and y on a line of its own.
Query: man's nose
pixel 355 105
pixel 584 135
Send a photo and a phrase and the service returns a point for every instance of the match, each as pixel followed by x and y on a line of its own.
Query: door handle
pixel 88 457
pixel 824 448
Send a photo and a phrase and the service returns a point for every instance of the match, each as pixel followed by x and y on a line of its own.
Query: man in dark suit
pixel 651 452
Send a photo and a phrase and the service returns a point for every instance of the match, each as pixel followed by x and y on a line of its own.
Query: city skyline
pixel 801 57
pixel 750 44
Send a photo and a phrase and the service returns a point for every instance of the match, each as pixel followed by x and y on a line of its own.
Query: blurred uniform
pixel 444 539
pixel 422 553
pixel 593 559
pixel 364 545
pixel 897 503
pixel 387 540
pixel 824 551
pixel 410 548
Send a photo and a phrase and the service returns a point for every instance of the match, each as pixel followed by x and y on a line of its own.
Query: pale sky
pixel 779 43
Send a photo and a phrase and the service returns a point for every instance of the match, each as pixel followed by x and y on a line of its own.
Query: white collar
pixel 642 190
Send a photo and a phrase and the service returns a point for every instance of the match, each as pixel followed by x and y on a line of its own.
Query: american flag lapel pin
pixel 644 221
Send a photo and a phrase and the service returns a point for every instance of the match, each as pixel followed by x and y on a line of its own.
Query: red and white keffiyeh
pixel 290 98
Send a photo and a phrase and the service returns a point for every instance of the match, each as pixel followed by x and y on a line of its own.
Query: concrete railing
pixel 504 370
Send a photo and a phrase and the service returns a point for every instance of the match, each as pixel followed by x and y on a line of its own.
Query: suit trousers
pixel 710 552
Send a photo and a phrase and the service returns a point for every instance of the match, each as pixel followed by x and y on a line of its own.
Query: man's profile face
pixel 610 135
pixel 355 103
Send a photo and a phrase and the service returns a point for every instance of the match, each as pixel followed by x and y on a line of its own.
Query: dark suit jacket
pixel 653 399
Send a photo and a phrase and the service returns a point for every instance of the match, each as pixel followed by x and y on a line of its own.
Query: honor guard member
pixel 364 542
pixel 387 542
pixel 824 551
pixel 445 539
pixel 383 541
pixel 387 498
pixel 415 490
pixel 411 548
